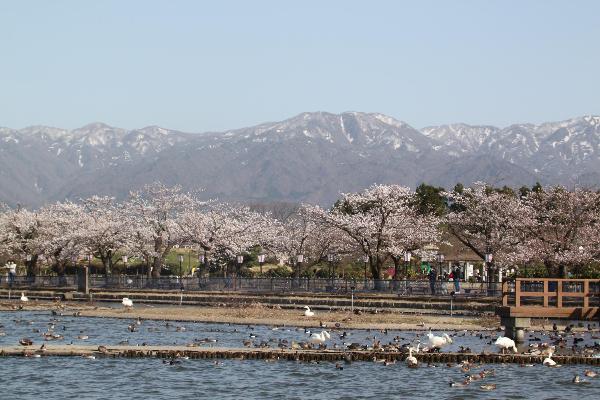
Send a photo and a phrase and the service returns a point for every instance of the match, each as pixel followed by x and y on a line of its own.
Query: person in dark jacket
pixel 432 278
pixel 456 279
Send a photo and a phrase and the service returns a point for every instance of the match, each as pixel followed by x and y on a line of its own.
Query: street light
pixel 440 260
pixel 299 261
pixel 180 257
pixel 489 258
pixel 88 258
pixel 407 256
pixel 365 261
pixel 331 259
pixel 261 261
pixel 124 258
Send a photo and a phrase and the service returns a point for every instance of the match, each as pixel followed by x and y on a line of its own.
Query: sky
pixel 201 66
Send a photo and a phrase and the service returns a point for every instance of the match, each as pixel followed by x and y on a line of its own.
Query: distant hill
pixel 311 157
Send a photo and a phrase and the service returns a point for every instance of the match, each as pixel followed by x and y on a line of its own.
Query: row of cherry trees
pixel 148 225
pixel 554 227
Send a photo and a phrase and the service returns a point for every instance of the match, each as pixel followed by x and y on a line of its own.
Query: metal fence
pixel 240 284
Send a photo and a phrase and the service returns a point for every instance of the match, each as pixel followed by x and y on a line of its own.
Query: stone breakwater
pixel 175 352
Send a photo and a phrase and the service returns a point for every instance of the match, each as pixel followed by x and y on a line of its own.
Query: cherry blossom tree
pixel 566 227
pixel 488 221
pixel 153 212
pixel 301 234
pixel 19 236
pixel 106 230
pixel 380 221
pixel 60 235
pixel 228 230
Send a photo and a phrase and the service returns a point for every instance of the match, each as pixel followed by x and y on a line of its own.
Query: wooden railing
pixel 551 288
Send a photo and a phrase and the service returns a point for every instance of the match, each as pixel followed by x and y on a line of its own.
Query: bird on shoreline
pixel 411 361
pixel 127 303
pixel 24 298
pixel 505 343
pixel 319 338
pixel 308 312
pixel 437 342
pixel 548 361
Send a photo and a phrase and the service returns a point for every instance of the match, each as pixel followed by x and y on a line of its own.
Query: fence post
pixel 586 293
pixel 559 292
pixel 83 281
pixel 546 292
pixel 505 293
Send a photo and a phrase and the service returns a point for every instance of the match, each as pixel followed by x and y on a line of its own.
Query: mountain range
pixel 311 157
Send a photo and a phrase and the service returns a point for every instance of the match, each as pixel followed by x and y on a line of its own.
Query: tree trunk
pixel 375 263
pixel 105 265
pixel 563 271
pixel 156 266
pixel 60 269
pixel 31 266
pixel 396 267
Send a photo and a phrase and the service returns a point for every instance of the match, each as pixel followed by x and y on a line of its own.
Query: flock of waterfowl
pixel 545 343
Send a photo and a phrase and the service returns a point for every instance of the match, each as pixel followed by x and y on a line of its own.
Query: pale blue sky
pixel 199 66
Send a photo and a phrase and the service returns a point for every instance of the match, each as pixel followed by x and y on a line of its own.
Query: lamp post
pixel 261 261
pixel 88 258
pixel 124 259
pixel 440 260
pixel 180 257
pixel 299 261
pixel 201 258
pixel 489 258
pixel 407 256
pixel 190 259
pixel 365 261
pixel 331 258
pixel 240 261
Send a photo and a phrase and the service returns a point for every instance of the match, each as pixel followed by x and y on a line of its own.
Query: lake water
pixel 78 378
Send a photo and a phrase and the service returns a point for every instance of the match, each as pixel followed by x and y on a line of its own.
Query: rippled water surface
pixel 75 377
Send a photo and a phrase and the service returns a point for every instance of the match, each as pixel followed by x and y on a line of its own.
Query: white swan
pixel 127 302
pixel 319 338
pixel 505 343
pixel 411 361
pixel 437 342
pixel 23 297
pixel 308 313
pixel 548 361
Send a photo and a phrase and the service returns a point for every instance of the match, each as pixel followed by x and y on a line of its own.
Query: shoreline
pixel 258 314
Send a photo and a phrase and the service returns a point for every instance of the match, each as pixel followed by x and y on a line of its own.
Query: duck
pixel 319 338
pixel 437 342
pixel 589 373
pixel 464 383
pixel 505 343
pixel 489 386
pixel 24 298
pixel 308 312
pixel 411 360
pixel 548 361
pixel 26 342
pixel 127 302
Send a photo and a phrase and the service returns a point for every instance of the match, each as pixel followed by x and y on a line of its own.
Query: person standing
pixel 456 278
pixel 12 272
pixel 432 278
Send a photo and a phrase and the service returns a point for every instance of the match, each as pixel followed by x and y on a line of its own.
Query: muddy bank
pixel 258 314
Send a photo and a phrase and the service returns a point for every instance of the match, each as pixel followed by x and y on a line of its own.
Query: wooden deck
pixel 577 299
